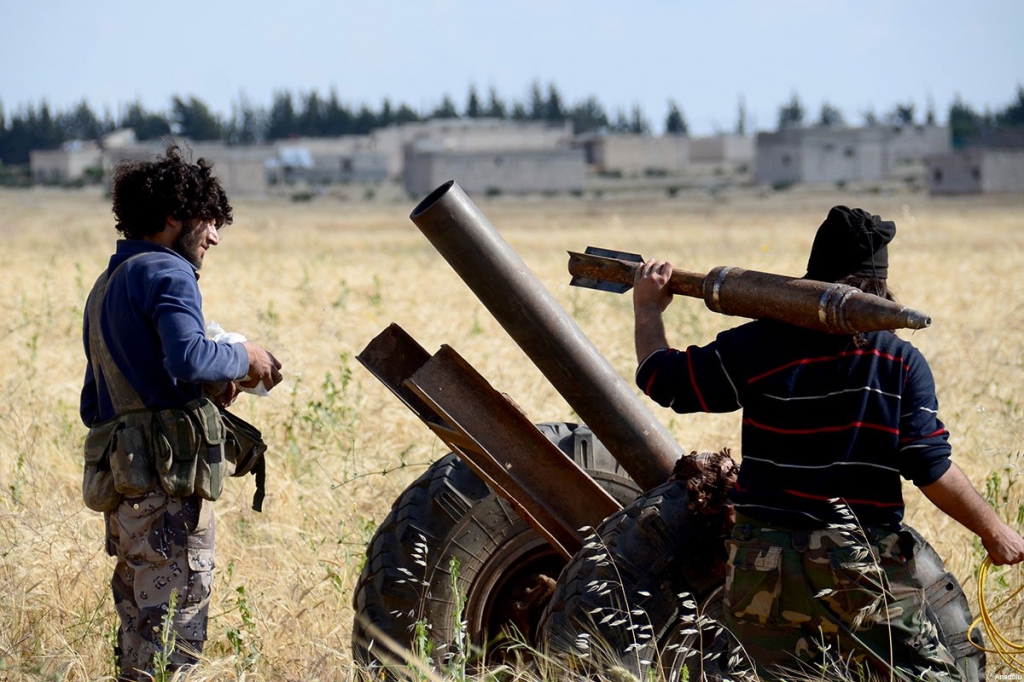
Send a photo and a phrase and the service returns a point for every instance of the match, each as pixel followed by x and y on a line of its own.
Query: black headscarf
pixel 851 241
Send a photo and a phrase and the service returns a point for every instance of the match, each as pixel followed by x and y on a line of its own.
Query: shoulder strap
pixel 122 395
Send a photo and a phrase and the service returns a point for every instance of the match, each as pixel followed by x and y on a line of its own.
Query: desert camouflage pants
pixel 797 600
pixel 163 544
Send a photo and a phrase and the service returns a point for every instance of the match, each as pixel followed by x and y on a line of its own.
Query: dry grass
pixel 314 282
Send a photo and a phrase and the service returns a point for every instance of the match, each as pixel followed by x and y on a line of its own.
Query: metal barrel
pixel 547 334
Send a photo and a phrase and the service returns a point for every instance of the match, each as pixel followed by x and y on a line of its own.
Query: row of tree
pixel 964 122
pixel 311 115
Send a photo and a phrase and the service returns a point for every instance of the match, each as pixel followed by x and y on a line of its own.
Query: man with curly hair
pixel 831 423
pixel 153 387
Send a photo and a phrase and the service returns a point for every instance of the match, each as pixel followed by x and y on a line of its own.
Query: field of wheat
pixel 315 281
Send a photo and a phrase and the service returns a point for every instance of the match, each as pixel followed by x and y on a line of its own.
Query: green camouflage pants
pixel 163 544
pixel 797 600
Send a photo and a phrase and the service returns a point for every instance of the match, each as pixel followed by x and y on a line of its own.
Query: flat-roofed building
pixel 467 134
pixel 722 149
pixel 833 154
pixel 68 164
pixel 351 158
pixel 977 171
pixel 242 170
pixel 635 155
pixel 428 164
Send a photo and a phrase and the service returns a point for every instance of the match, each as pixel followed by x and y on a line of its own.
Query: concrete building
pixel 241 170
pixel 977 171
pixel 634 155
pixel 381 155
pixel 75 159
pixel 70 163
pixel 428 164
pixel 996 138
pixel 372 158
pixel 122 137
pixel 913 144
pixel 327 160
pixel 472 134
pixel 836 154
pixel 733 150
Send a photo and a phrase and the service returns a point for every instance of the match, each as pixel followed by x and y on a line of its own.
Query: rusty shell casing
pixel 547 334
pixel 830 307
pixel 822 306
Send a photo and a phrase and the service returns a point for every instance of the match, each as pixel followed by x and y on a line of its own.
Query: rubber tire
pixel 450 512
pixel 651 553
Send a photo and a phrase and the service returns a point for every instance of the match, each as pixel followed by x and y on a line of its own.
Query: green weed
pixel 376 295
pixel 340 301
pixel 162 659
pixel 244 639
pixel 455 666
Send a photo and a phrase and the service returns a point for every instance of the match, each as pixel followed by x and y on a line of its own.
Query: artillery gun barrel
pixel 824 306
pixel 547 334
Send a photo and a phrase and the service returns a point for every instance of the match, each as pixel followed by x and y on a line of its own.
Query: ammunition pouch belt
pixel 186 451
pixel 98 489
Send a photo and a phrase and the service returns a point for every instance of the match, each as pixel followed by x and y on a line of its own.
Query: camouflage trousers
pixel 163 545
pixel 844 599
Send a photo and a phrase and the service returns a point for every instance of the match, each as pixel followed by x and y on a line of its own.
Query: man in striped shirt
pixel 830 425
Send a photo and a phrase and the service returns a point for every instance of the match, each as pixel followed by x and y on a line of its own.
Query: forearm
pixel 954 495
pixel 648 332
pixel 650 298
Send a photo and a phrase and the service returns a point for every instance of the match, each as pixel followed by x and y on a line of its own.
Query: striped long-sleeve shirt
pixel 822 418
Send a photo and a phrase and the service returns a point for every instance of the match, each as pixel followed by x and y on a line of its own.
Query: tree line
pixel 311 115
pixel 964 122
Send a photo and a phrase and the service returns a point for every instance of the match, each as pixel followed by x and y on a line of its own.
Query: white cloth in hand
pixel 216 333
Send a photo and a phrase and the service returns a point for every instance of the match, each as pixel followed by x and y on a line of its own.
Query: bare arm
pixel 650 298
pixel 954 495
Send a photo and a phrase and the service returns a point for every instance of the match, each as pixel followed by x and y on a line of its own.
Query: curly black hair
pixel 146 193
pixel 870 285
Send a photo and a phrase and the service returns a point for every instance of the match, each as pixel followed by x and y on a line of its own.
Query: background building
pixel 475 134
pixel 632 155
pixel 328 160
pixel 837 154
pixel 428 164
pixel 66 165
pixel 241 170
pixel 975 171
pixel 722 149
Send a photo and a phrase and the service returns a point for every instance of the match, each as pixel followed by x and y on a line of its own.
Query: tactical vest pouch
pixel 175 446
pixel 243 446
pixel 244 449
pixel 131 460
pixel 212 467
pixel 98 490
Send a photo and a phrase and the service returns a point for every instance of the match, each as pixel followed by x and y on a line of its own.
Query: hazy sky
pixel 856 55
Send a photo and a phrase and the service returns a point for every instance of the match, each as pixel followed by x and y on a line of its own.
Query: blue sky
pixel 707 56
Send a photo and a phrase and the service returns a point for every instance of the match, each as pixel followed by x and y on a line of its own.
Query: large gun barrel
pixel 829 307
pixel 547 334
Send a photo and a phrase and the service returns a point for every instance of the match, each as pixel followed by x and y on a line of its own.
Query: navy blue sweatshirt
pixel 822 418
pixel 152 322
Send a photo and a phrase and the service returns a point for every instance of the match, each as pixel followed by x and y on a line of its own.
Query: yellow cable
pixel 1009 652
